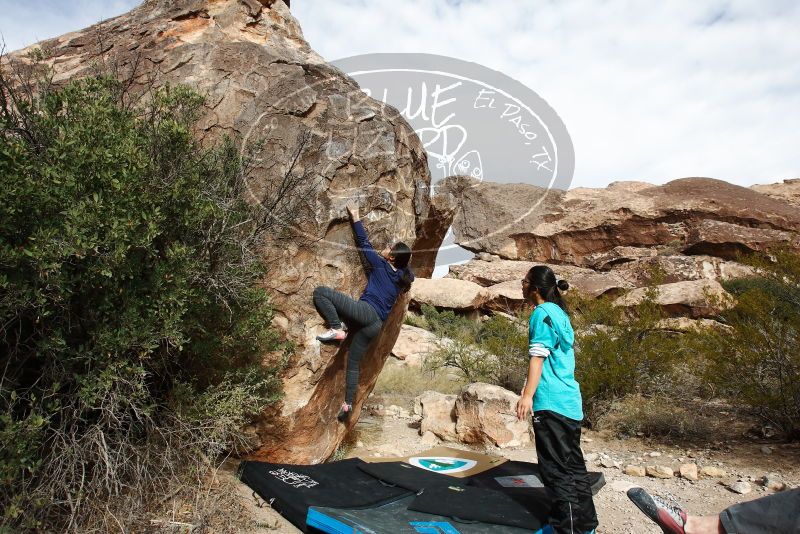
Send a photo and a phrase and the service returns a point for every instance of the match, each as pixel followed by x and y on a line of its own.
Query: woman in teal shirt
pixel 554 396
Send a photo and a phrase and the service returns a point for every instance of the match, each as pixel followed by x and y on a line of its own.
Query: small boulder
pixel 635 470
pixel 486 414
pixel 689 471
pixel 659 471
pixel 590 457
pixel 741 487
pixel 773 482
pixel 709 471
pixel 608 463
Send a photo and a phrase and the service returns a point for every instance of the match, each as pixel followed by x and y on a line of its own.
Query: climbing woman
pixel 554 396
pixel 388 275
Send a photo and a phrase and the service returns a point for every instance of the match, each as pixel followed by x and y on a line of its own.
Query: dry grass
pixel 397 379
pixel 664 417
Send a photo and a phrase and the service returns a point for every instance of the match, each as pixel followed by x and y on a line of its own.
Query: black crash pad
pixel 470 503
pixel 516 477
pixel 408 476
pixel 292 489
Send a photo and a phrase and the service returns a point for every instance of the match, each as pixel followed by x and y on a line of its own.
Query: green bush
pixel 619 354
pixel 493 351
pixel 132 327
pixel 757 362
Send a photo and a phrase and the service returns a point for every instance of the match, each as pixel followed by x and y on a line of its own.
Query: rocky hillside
pixel 266 87
pixel 684 237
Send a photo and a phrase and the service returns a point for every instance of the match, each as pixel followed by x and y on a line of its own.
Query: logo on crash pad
pixel 443 464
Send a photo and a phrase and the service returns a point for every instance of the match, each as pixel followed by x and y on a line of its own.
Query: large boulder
pixel 448 293
pixel 265 86
pixel 525 222
pixel 414 344
pixel 486 414
pixel 437 411
pixel 506 297
pixel 694 298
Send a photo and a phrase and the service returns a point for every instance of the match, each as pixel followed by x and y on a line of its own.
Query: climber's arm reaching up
pixel 362 241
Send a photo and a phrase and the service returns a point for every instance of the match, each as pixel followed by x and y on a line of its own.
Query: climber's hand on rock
pixel 352 209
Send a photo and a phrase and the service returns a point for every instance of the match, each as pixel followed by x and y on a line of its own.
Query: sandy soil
pixel 741 459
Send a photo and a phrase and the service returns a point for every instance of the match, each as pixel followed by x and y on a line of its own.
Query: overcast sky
pixel 648 90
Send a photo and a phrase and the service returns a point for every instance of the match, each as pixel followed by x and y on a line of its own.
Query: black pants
pixel 772 514
pixel 563 469
pixel 360 316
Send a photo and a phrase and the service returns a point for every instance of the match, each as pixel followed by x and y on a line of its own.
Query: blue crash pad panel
pixel 396 518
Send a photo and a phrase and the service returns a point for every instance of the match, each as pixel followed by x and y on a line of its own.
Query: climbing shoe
pixel 331 336
pixel 670 517
pixel 344 412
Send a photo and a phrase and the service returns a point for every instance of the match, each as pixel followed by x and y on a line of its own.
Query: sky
pixel 649 91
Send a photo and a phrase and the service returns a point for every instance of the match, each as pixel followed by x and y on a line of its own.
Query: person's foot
pixel 344 412
pixel 332 335
pixel 670 517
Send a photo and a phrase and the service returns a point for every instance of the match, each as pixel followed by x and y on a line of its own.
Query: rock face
pixel 265 86
pixel 695 215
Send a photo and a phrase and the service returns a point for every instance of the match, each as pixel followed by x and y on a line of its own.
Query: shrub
pixel 132 329
pixel 758 361
pixel 619 354
pixel 492 351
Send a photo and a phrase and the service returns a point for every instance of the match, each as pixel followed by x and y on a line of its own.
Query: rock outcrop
pixel 264 86
pixel 691 215
pixel 695 299
pixel 788 190
pixel 448 293
pixel 491 273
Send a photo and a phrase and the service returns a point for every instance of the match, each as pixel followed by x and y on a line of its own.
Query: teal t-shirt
pixel 550 336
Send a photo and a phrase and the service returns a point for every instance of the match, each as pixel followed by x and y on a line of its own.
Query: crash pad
pixel 396 518
pixel 408 477
pixel 529 511
pixel 515 475
pixel 292 489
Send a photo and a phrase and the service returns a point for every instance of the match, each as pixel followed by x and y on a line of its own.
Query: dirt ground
pixel 741 459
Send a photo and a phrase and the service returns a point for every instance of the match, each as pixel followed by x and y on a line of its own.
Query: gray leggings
pixel 360 316
pixel 778 513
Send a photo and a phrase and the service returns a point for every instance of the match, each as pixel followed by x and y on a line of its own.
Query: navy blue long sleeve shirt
pixel 383 282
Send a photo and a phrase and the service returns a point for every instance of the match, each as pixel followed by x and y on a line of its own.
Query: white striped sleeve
pixel 538 350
